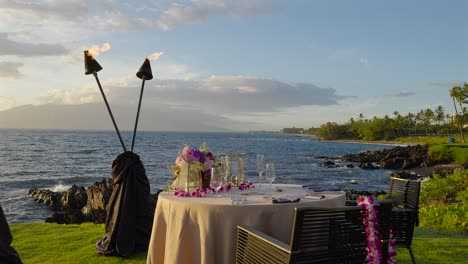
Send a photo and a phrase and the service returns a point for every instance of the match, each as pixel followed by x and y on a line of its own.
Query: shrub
pixel 445 217
pixel 447 153
pixel 445 190
pixel 444 202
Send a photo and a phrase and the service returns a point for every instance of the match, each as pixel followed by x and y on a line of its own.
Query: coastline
pixel 373 142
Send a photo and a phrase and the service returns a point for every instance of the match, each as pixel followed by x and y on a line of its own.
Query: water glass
pixel 270 173
pixel 260 167
pixel 217 180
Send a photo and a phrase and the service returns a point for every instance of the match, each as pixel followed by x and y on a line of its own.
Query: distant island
pixel 287 130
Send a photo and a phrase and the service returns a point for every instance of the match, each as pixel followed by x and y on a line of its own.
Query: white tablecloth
pixel 203 230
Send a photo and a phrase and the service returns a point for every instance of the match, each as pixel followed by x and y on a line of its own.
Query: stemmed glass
pixel 226 170
pixel 270 173
pixel 260 166
pixel 216 180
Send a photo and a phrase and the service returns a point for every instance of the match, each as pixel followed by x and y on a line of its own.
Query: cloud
pixel 196 12
pixel 71 10
pixel 9 47
pixel 175 14
pixel 7 102
pixel 216 94
pixel 363 61
pixel 116 20
pixel 92 16
pixel 404 94
pixel 10 70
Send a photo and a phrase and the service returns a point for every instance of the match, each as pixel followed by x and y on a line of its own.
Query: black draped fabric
pixel 8 255
pixel 129 211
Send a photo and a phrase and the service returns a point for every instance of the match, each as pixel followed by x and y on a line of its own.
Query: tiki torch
pixel 92 67
pixel 144 73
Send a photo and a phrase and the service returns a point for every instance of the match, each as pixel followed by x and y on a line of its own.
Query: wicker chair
pixel 405 196
pixel 319 235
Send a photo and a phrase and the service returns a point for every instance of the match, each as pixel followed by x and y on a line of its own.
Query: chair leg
pixel 412 254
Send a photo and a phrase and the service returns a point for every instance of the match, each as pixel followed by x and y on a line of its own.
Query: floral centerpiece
pixel 192 169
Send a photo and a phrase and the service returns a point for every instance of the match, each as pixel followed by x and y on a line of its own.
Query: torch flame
pixel 95 49
pixel 89 54
pixel 155 56
pixel 105 47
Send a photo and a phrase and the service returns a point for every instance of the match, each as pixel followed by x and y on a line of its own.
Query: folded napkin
pixel 317 188
pixel 314 196
pixel 283 200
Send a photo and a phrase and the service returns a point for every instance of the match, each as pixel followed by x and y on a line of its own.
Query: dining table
pixel 204 229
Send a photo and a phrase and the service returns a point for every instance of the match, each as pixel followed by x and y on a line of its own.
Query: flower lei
pixel 374 243
pixel 246 185
pixel 197 193
pixel 202 192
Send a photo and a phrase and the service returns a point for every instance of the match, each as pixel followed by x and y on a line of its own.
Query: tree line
pixel 427 122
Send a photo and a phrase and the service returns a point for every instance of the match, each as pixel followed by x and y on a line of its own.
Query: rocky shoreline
pixel 410 162
pixel 80 204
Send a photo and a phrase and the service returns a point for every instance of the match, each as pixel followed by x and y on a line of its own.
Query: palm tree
pixel 428 117
pixel 439 118
pixel 462 97
pixel 454 93
pixel 410 122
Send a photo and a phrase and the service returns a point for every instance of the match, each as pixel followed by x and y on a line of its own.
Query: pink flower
pixel 208 164
pixel 185 151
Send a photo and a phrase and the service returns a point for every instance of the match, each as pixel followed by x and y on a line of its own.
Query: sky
pixel 251 64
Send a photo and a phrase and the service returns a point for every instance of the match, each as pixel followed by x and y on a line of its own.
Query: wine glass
pixel 216 180
pixel 270 173
pixel 260 166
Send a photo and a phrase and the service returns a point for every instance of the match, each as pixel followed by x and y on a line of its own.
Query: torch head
pixel 145 70
pixel 91 65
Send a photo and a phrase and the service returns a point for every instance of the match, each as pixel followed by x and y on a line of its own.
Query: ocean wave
pixel 60 187
pixel 12 199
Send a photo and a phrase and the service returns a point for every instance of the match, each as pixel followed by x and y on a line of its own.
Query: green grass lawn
pixel 39 243
pixel 52 243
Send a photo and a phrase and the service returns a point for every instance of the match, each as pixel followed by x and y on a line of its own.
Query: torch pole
pixel 110 112
pixel 138 112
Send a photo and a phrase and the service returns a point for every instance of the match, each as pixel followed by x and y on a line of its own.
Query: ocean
pixel 57 159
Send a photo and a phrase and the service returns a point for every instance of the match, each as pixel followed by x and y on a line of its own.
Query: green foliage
pixel 445 217
pixel 444 190
pixel 53 243
pixel 311 131
pixel 433 123
pixel 449 153
pixel 333 131
pixel 444 202
pixel 377 129
pixel 427 140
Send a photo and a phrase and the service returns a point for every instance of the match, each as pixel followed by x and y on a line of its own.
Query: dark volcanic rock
pixel 49 198
pixel 79 204
pixel 395 158
pixel 56 217
pixel 367 166
pixel 98 196
pixel 424 172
